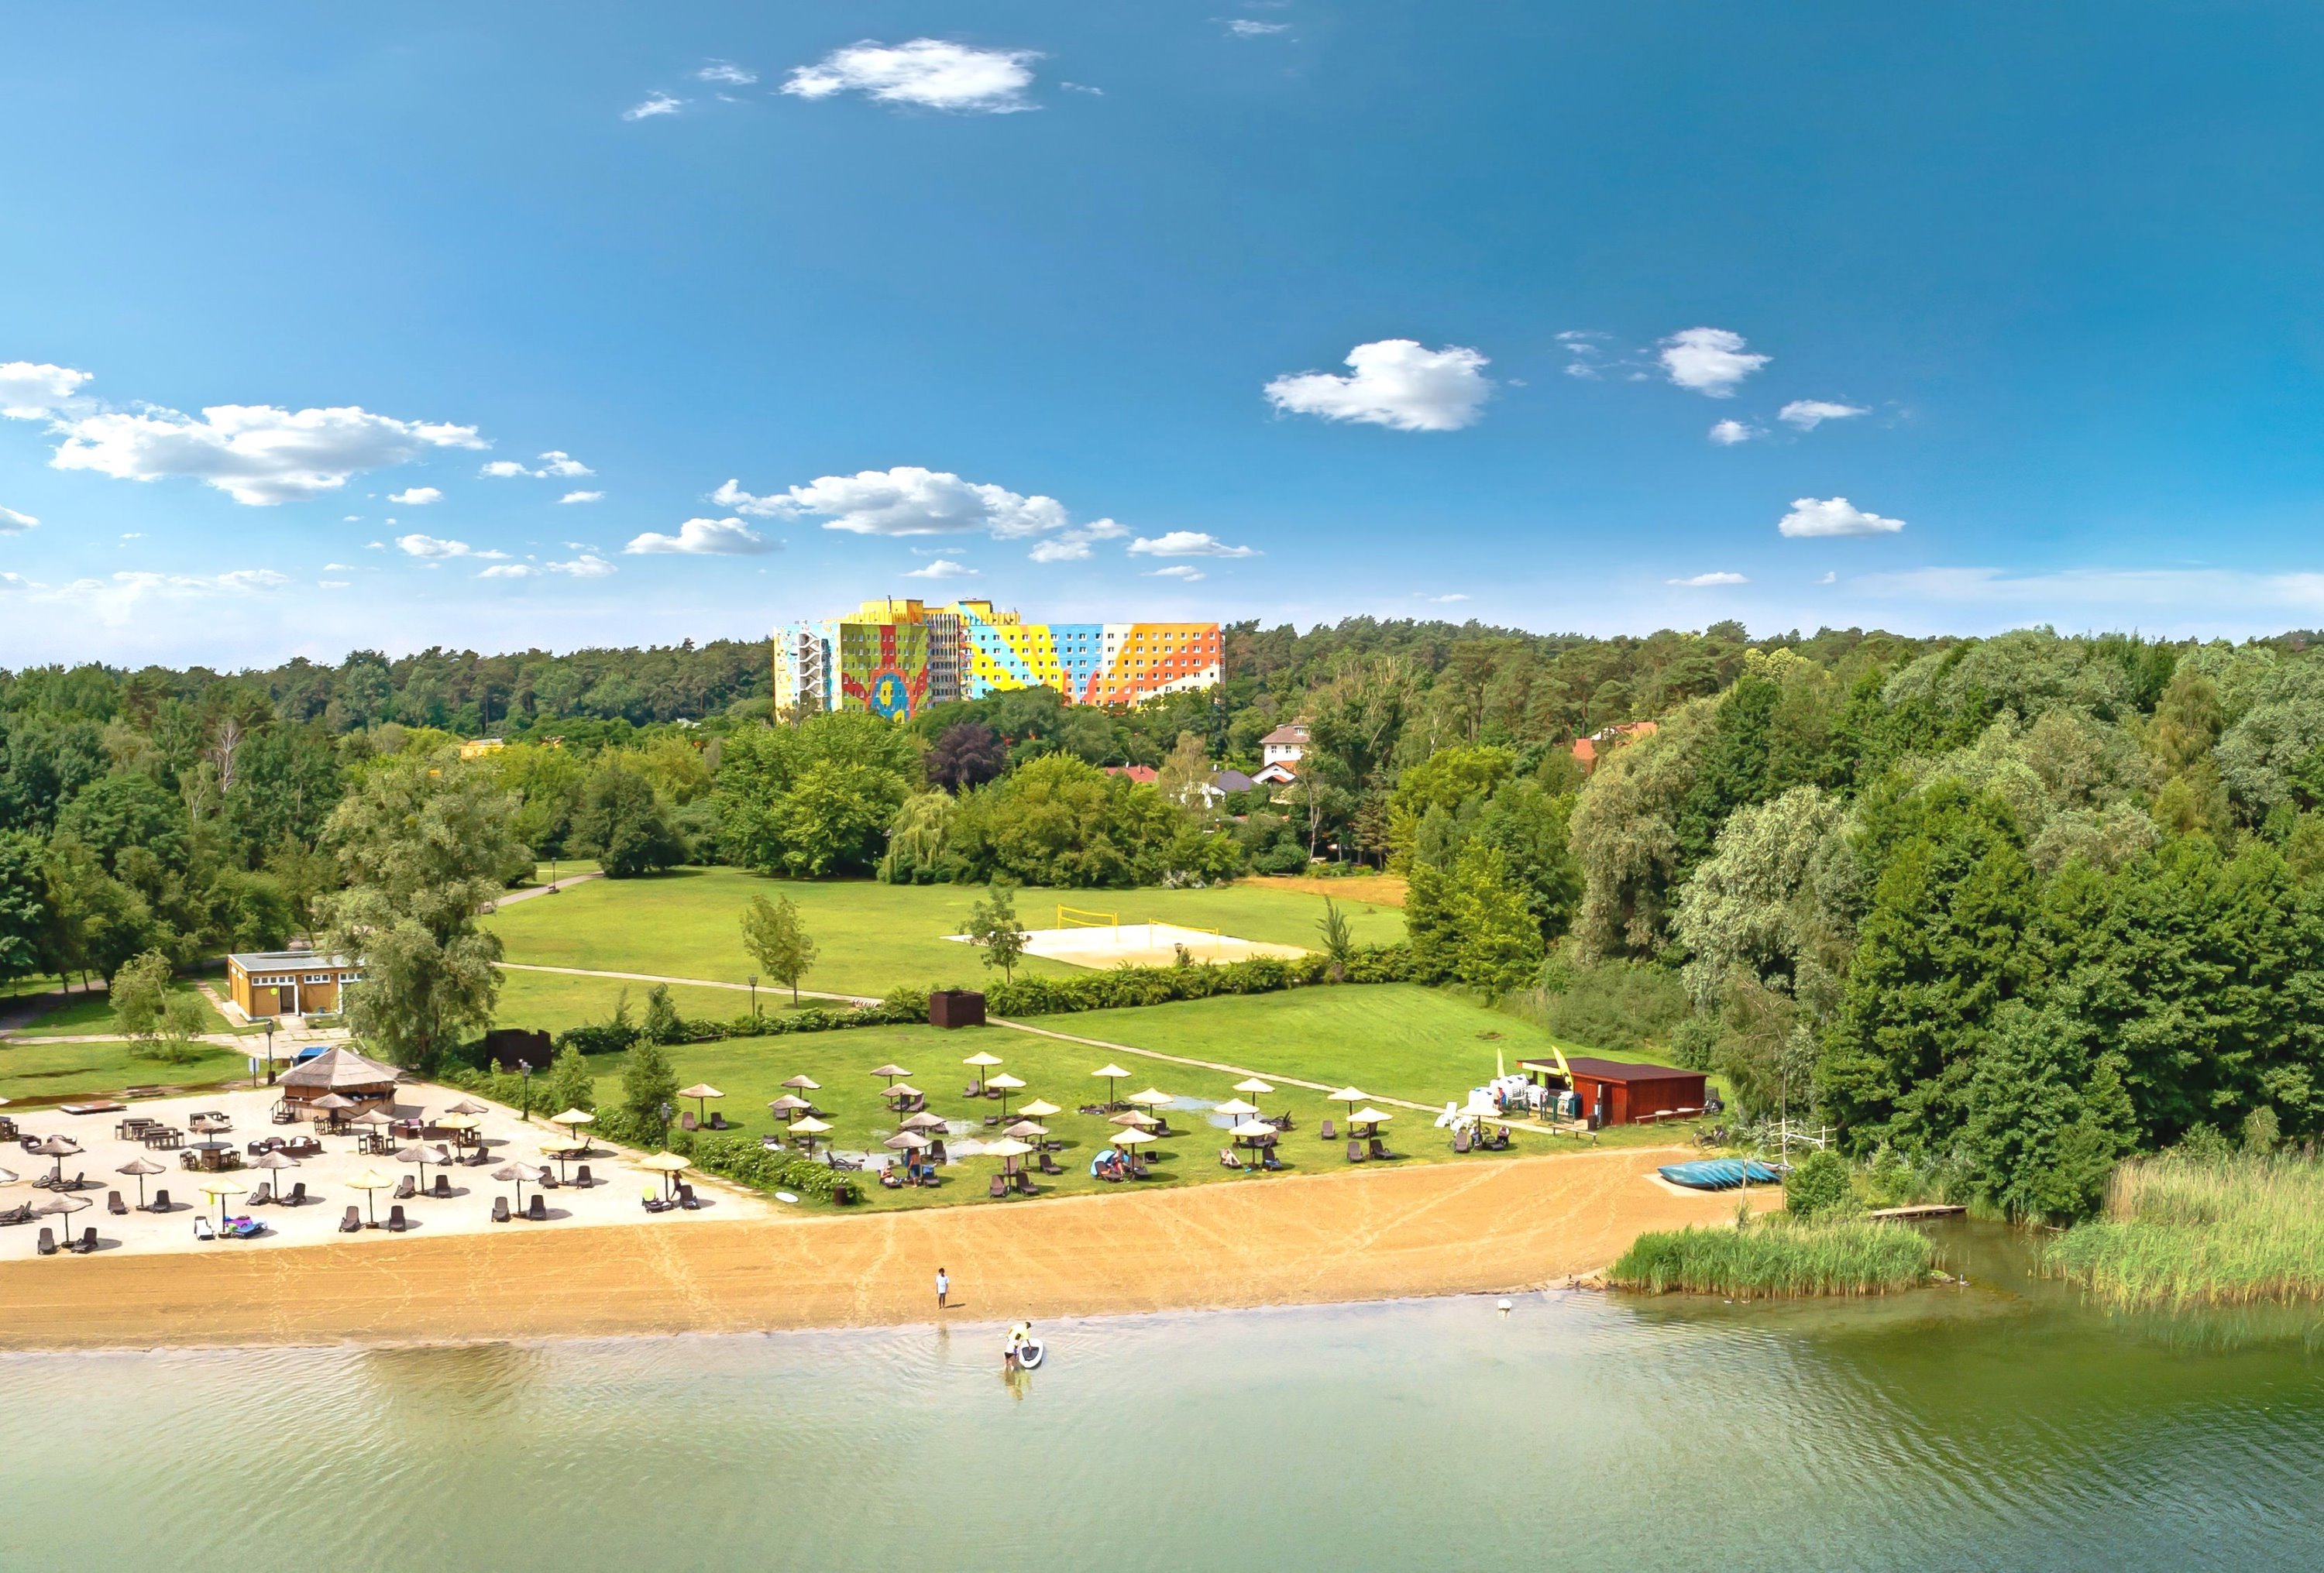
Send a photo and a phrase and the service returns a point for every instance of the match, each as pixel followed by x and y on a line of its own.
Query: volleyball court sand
pixel 1377 1234
pixel 1140 945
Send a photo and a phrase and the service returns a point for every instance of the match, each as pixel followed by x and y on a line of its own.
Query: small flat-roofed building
pixel 1621 1093
pixel 288 982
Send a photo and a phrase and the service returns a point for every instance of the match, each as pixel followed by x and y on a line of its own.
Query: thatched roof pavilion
pixel 342 1071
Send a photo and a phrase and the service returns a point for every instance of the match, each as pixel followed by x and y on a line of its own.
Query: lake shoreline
pixel 1423 1231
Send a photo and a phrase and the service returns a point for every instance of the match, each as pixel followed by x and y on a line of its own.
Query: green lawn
pixel 751 1070
pixel 93 1013
pixel 61 1072
pixel 873 937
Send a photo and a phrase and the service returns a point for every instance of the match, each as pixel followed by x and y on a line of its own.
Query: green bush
pixel 1820 1186
pixel 1125 987
pixel 1615 1003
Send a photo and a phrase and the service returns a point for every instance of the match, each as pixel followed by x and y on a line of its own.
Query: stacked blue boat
pixel 1719 1173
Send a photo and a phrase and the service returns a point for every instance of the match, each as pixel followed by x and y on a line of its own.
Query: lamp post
pixel 665 1112
pixel 552 873
pixel 755 993
pixel 524 1077
pixel 270 1051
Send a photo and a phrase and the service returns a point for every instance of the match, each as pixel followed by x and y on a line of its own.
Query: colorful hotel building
pixel 898 657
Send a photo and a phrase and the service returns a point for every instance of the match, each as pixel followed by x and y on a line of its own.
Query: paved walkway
pixel 527 894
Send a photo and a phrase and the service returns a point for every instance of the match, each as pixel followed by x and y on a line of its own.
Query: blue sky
pixel 1287 310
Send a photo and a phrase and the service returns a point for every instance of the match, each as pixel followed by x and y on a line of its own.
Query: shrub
pixel 1818 1186
pixel 1616 1005
pixel 1126 987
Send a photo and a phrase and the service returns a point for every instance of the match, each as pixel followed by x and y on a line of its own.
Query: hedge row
pixel 1130 986
pixel 903 1007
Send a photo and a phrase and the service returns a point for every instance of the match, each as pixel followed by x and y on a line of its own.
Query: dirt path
pixel 530 891
pixel 1436 1229
pixel 689 982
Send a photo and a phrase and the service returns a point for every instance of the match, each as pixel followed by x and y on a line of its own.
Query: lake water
pixel 1991 1427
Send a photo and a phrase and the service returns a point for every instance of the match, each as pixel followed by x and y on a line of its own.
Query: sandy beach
pixel 1384 1233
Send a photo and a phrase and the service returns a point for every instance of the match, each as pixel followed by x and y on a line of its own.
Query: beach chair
pixel 115 1205
pixel 352 1224
pixel 582 1178
pixel 202 1231
pixel 889 1180
pixel 1460 1141
pixel 86 1244
pixel 536 1210
pixel 1000 1186
pixel 547 1181
pixel 442 1190
pixel 406 1188
pixel 47 1244
pixel 264 1194
pixel 1379 1149
pixel 500 1209
pixel 1227 1160
pixel 1025 1183
pixel 298 1195
pixel 686 1121
pixel 687 1199
pixel 160 1203
pixel 1049 1164
pixel 1330 1133
pixel 396 1223
pixel 1355 1151
pixel 20 1213
pixel 1268 1160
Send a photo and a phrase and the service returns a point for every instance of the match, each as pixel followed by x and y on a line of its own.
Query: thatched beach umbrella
pixel 810 1128
pixel 1025 1129
pixel 1350 1096
pixel 803 1083
pixel 1039 1109
pixel 788 1105
pixel 64 1206
pixel 1111 1074
pixel 469 1105
pixel 60 1148
pixel 1006 1149
pixel 368 1181
pixel 1237 1107
pixel 1152 1097
pixel 1136 1118
pixel 702 1093
pixel 669 1166
pixel 417 1154
pixel 1005 1084
pixel 560 1148
pixel 141 1167
pixel 267 1161
pixel 921 1122
pixel 1254 1086
pixel 1253 1133
pixel 519 1172
pixel 894 1073
pixel 1368 1115
pixel 908 1142
pixel 983 1062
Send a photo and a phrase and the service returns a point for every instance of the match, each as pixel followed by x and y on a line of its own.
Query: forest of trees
pixel 1997 910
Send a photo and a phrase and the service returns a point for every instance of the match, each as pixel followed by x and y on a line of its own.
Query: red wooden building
pixel 1622 1093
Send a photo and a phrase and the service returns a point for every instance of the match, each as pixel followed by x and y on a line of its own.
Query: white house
pixel 1285 745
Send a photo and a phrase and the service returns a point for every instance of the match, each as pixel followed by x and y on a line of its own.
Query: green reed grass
pixel 2181 1231
pixel 1776 1259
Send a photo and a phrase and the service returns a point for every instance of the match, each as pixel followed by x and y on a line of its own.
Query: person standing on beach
pixel 943 1287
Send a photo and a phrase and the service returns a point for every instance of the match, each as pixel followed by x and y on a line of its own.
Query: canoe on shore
pixel 1719 1173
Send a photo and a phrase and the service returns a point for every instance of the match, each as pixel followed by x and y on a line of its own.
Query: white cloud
pixel 416 496
pixel 930 72
pixel 15 523
pixel 1396 383
pixel 509 571
pixel 714 538
pixel 330 584
pixel 1243 27
pixel 29 390
pixel 1083 87
pixel 1728 433
pixel 129 534
pixel 581 497
pixel 906 501
pixel 255 453
pixel 249 579
pixel 1701 581
pixel 338 568
pixel 503 470
pixel 375 546
pixel 1186 573
pixel 1073 546
pixel 1807 414
pixel 116 600
pixel 434 548
pixel 943 568
pixel 1709 359
pixel 652 105
pixel 1832 516
pixel 560 463
pixel 1439 600
pixel 1187 543
pixel 727 72
pixel 587 565
pixel 1829 577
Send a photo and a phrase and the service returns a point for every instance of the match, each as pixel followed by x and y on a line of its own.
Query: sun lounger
pixel 1460 1141
pixel 264 1194
pixel 47 1244
pixel 115 1205
pixel 395 1219
pixel 352 1224
pixel 687 1199
pixel 537 1211
pixel 582 1177
pixel 686 1121
pixel 298 1196
pixel 86 1244
pixel 202 1231
pixel 1268 1160
pixel 1227 1160
pixel 1379 1149
pixel 1355 1151
pixel 443 1187
pixel 1000 1186
pixel 889 1180
pixel 160 1203
pixel 500 1209
pixel 406 1188
pixel 1329 1132
pixel 1049 1164
pixel 20 1213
